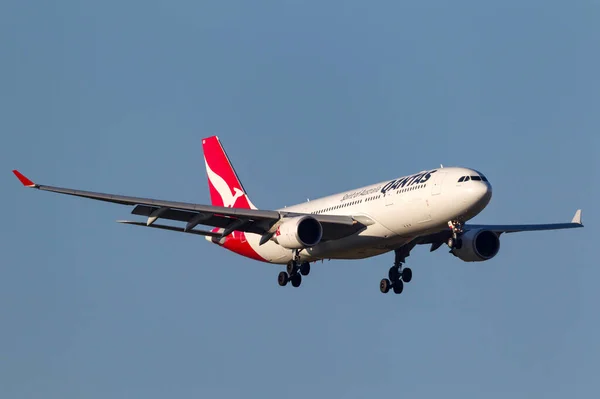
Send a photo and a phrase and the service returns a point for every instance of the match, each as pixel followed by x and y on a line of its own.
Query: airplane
pixel 431 207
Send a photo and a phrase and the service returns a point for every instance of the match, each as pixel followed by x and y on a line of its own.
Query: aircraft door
pixel 389 199
pixel 438 180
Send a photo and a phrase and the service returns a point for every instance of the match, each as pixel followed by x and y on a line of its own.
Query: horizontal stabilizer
pixel 172 228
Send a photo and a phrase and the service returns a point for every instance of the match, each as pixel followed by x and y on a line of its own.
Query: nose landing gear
pixel 455 242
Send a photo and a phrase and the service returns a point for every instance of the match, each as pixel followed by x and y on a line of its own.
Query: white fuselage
pixel 398 210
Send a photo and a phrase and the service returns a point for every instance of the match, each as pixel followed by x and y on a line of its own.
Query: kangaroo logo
pixel 222 188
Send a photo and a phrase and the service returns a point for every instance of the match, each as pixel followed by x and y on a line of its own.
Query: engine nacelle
pixel 477 246
pixel 299 232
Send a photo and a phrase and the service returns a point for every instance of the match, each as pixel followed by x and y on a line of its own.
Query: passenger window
pixel 461 179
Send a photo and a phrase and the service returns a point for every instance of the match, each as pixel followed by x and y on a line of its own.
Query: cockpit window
pixel 476 178
pixel 467 178
pixel 481 175
pixel 461 179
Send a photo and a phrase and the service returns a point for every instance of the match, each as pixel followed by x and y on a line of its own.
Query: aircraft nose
pixel 481 193
pixel 477 193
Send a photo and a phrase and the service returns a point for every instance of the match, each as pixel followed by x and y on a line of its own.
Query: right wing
pixel 255 221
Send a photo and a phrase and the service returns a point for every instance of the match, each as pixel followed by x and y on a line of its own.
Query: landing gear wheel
pixel 283 279
pixel 454 243
pixel 384 285
pixel 406 274
pixel 398 287
pixel 296 280
pixel 305 269
pixel 291 268
pixel 394 274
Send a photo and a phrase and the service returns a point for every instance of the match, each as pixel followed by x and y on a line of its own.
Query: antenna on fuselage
pixel 441 166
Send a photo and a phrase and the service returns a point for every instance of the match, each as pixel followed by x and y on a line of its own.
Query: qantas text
pixel 419 178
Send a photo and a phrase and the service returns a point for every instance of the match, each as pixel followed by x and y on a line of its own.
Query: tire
pixel 282 279
pixel 394 274
pixel 398 287
pixel 305 269
pixel 296 280
pixel 384 286
pixel 406 275
pixel 291 268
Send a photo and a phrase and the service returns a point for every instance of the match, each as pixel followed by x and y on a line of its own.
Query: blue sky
pixel 309 98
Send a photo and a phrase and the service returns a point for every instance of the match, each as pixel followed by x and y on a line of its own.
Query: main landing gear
pixel 397 275
pixel 294 272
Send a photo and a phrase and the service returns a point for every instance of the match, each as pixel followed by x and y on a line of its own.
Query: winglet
pixel 24 180
pixel 577 217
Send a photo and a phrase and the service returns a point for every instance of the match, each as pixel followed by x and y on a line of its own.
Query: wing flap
pixel 204 218
pixel 171 214
pixel 171 228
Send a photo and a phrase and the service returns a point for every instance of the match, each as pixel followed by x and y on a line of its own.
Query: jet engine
pixel 477 246
pixel 299 232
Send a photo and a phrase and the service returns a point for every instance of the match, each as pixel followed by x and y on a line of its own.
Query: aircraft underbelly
pixel 356 247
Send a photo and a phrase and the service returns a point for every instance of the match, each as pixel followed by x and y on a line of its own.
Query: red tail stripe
pixel 224 186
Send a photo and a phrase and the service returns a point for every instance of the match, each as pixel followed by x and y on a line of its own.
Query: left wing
pixel 256 221
pixel 438 239
pixel 515 228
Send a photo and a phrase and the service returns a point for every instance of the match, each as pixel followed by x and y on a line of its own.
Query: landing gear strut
pixel 294 271
pixel 455 242
pixel 397 275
